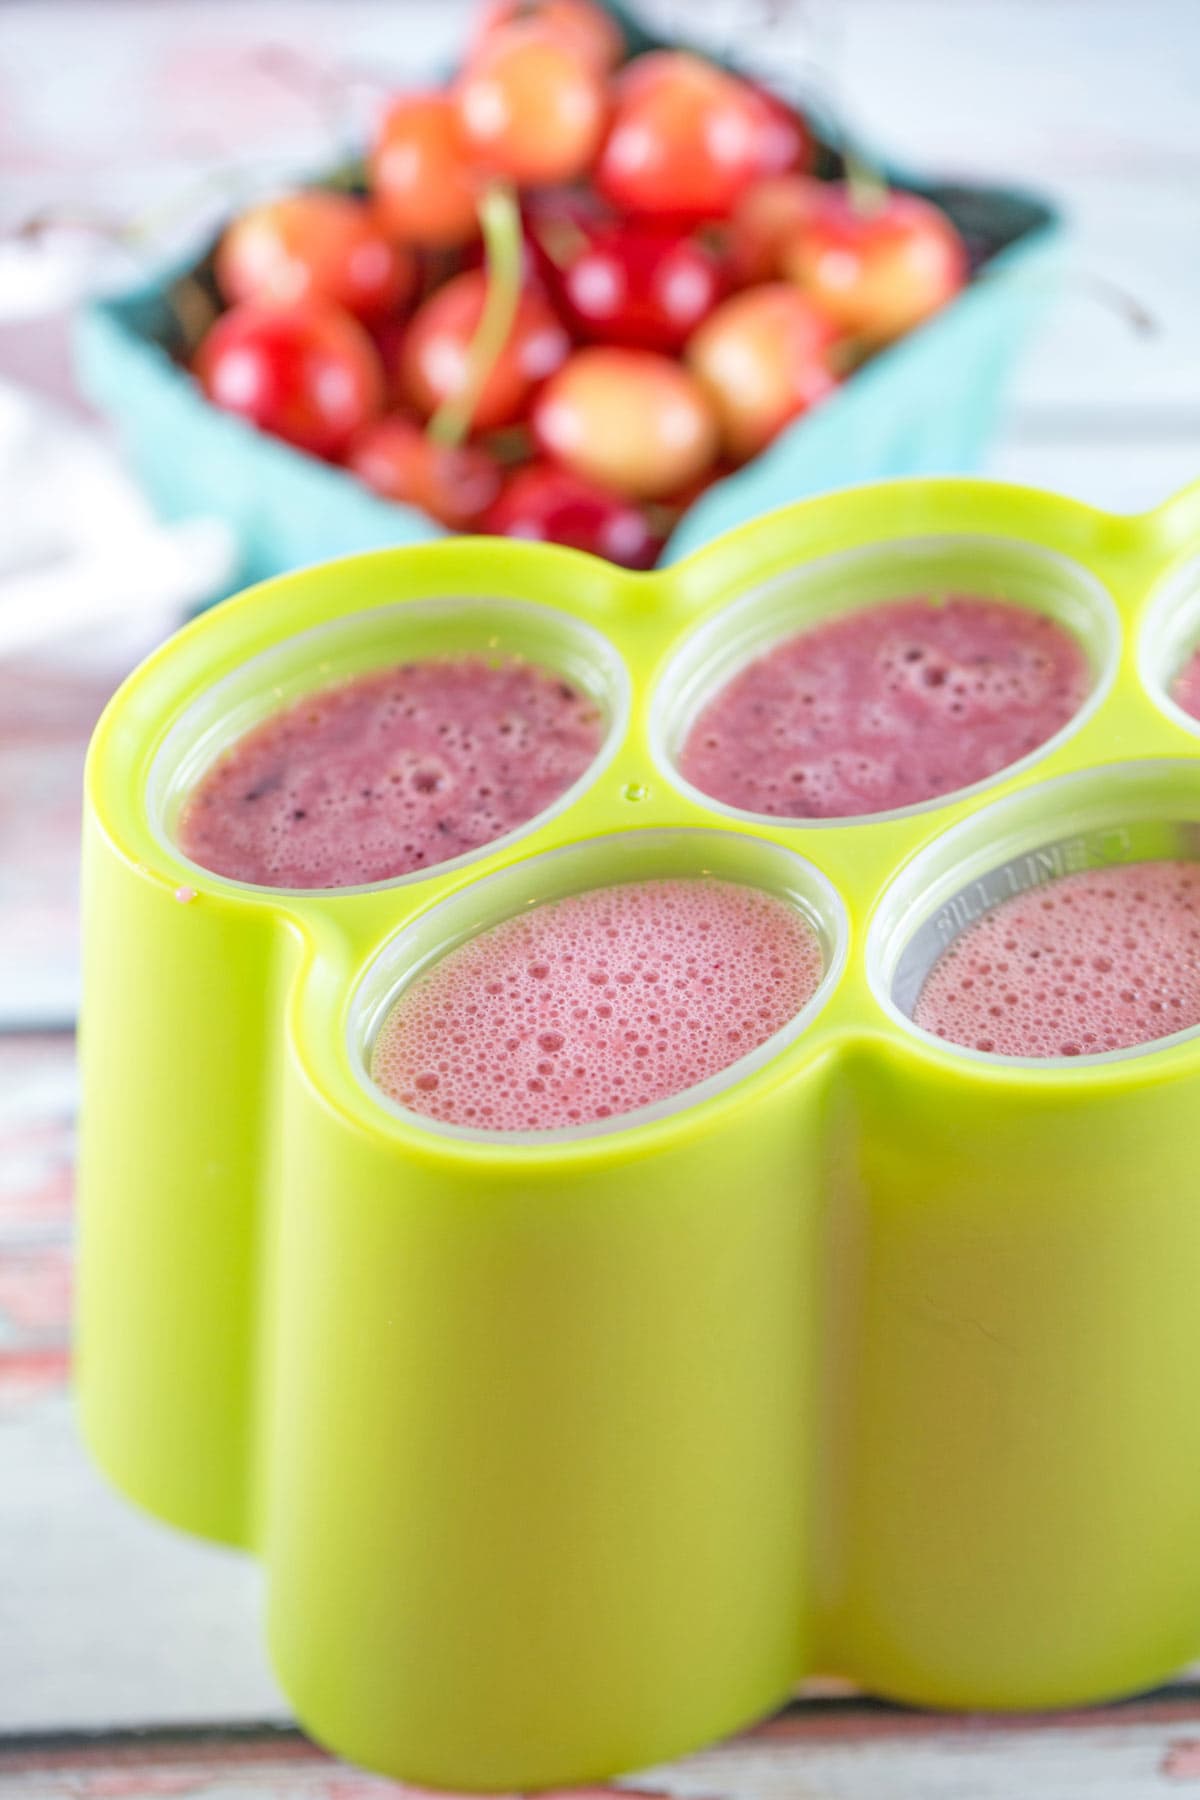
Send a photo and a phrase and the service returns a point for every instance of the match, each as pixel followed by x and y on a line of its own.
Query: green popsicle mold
pixel 566 1455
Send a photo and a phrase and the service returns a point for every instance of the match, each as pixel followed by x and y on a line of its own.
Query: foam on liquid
pixel 1102 960
pixel 886 707
pixel 391 771
pixel 589 1006
pixel 1186 691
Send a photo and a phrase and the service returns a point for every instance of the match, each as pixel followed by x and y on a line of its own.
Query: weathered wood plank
pixel 830 1751
pixel 46 717
pixel 108 1618
pixel 105 1616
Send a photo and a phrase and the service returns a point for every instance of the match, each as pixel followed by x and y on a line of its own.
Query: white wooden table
pixel 130 1659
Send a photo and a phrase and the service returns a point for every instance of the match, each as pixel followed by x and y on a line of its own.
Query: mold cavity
pixel 1169 647
pixel 1062 924
pixel 885 680
pixel 388 744
pixel 599 987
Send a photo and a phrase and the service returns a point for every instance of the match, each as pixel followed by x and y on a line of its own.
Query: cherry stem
pixel 847 355
pixel 104 226
pixel 1118 300
pixel 332 91
pixel 1114 298
pixel 561 240
pixel 510 445
pixel 141 229
pixel 866 185
pixel 500 222
pixel 193 309
pixel 191 306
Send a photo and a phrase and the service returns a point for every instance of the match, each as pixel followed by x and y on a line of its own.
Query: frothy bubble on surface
pixel 395 770
pixel 887 706
pixel 587 1007
pixel 1102 960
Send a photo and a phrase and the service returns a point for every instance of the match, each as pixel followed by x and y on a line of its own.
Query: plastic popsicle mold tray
pixel 564 1455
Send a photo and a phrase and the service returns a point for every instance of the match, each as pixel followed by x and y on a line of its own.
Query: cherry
pixel 388 337
pixel 686 138
pixel 767 217
pixel 634 284
pixel 551 505
pixel 631 420
pixel 763 358
pixel 426 191
pixel 531 106
pixel 586 26
pixel 308 373
pixel 455 484
pixel 785 143
pixel 876 269
pixel 314 244
pixel 436 356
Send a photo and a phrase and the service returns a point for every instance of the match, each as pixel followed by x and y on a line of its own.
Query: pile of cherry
pixel 579 288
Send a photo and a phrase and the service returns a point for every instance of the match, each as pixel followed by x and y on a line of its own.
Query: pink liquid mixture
pixel 590 1006
pixel 886 707
pixel 1096 961
pixel 1186 691
pixel 391 771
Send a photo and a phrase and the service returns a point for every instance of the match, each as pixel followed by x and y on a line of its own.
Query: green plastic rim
pixel 1094 819
pixel 577 868
pixel 993 568
pixel 326 655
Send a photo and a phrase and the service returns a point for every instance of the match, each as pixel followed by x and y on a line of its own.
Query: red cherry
pixel 634 284
pixel 388 337
pixel 327 246
pixel 632 421
pixel 589 28
pixel 551 505
pixel 876 271
pixel 426 191
pixel 686 138
pixel 531 106
pixel 436 355
pixel 307 373
pixel 785 143
pixel 769 216
pixel 763 358
pixel 453 484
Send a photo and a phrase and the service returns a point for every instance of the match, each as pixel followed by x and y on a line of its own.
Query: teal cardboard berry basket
pixel 926 405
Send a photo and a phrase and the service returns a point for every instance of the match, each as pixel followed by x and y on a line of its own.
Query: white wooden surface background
pixel 109 1623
